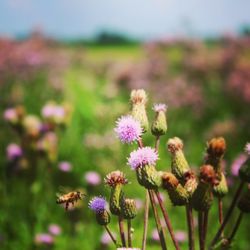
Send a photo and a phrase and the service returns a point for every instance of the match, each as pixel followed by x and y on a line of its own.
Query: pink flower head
pixel 14 151
pixel 155 235
pixel 142 156
pixel 247 148
pixel 92 178
pixel 43 238
pixel 54 229
pixel 180 236
pixel 237 163
pixel 65 166
pixel 160 107
pixel 10 115
pixel 128 129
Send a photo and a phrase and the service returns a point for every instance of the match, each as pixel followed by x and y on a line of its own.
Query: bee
pixel 70 197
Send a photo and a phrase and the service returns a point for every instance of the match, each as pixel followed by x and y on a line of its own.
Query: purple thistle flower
pixel 237 163
pixel 65 166
pixel 54 229
pixel 92 178
pixel 181 236
pixel 160 107
pixel 142 156
pixel 14 151
pixel 128 129
pixel 43 238
pixel 247 148
pixel 97 204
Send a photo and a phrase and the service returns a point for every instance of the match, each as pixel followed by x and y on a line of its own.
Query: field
pixel 205 85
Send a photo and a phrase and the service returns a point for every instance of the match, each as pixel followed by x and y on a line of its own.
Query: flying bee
pixel 69 198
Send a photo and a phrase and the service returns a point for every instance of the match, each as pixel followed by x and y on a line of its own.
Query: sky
pixel 145 19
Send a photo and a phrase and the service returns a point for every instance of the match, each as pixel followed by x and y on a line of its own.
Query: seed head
pixel 174 144
pixel 138 96
pixel 114 178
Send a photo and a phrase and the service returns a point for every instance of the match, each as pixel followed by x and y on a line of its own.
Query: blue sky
pixel 139 18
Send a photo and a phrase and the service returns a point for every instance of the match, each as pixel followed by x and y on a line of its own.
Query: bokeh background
pixel 83 58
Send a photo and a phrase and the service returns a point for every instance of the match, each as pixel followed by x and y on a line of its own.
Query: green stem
pixel 111 235
pixel 235 229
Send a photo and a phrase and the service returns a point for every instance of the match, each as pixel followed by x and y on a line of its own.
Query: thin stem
pixel 121 229
pixel 129 233
pixel 111 235
pixel 190 223
pixel 205 223
pixel 140 143
pixel 157 221
pixel 220 212
pixel 228 214
pixel 200 228
pixel 157 143
pixel 236 226
pixel 166 218
pixel 145 228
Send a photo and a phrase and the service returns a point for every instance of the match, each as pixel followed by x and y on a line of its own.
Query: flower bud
pixel 148 177
pixel 138 99
pixel 115 180
pixel 244 171
pixel 244 202
pixel 103 218
pixel 159 125
pixel 177 193
pixel 179 163
pixel 221 189
pixel 202 197
pixel 116 197
pixel 128 208
pixel 216 148
pixel 190 182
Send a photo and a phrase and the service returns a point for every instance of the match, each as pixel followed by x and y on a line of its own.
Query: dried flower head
pixel 160 107
pixel 97 204
pixel 208 175
pixel 128 129
pixel 114 178
pixel 247 148
pixel 138 96
pixel 216 147
pixel 174 144
pixel 142 156
pixel 169 180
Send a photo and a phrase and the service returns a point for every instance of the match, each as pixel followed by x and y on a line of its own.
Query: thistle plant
pixel 193 189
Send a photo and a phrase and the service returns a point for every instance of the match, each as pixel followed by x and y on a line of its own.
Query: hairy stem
pixel 157 220
pixel 228 215
pixel 190 223
pixel 200 228
pixel 145 228
pixel 129 233
pixel 121 229
pixel 157 143
pixel 166 218
pixel 220 212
